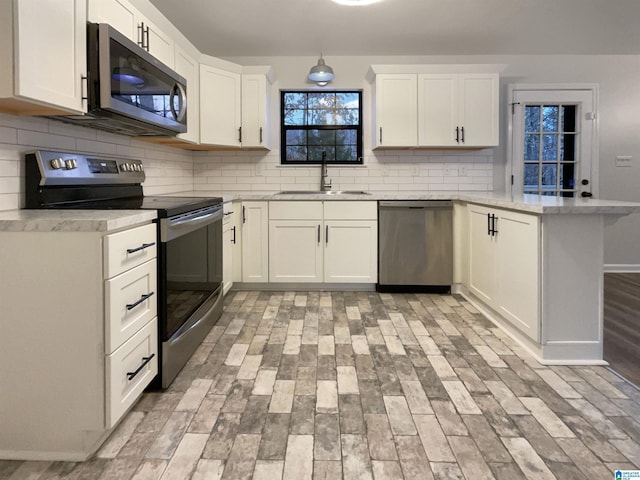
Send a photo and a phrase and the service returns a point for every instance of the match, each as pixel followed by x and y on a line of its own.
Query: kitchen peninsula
pixel 539 276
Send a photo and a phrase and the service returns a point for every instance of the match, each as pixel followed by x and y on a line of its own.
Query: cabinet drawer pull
pixel 131 306
pixel 141 247
pixel 145 360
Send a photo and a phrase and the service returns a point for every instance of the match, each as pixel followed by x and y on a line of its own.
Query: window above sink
pixel 319 125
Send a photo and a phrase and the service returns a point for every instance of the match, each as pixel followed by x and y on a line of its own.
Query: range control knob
pixel 56 163
pixel 70 164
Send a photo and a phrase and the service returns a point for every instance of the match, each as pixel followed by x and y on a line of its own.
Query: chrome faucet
pixel 324 185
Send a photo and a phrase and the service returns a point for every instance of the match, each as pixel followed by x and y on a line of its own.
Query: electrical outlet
pixel 385 170
pixel 259 171
pixel 415 169
pixel 462 171
pixel 623 160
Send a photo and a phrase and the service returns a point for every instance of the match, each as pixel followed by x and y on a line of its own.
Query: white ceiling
pixel 235 28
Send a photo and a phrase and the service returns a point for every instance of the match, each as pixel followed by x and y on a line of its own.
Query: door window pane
pixel 549 154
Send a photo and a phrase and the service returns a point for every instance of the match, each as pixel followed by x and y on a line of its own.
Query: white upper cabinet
pixel 458 110
pixel 432 107
pixel 396 108
pixel 125 18
pixel 46 44
pixel 189 68
pixel 220 112
pixel 438 120
pixel 255 110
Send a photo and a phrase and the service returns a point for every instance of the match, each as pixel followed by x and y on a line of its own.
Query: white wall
pixel 168 170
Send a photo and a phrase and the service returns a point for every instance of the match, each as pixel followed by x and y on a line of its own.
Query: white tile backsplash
pixel 168 169
pixel 172 170
pixel 390 170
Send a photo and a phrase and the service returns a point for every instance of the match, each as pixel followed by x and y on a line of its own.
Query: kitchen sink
pixel 325 192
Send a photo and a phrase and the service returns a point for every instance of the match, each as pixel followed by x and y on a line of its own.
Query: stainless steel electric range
pixel 189 241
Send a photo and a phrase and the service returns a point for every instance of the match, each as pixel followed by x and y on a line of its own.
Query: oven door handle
pixel 171 229
pixel 192 221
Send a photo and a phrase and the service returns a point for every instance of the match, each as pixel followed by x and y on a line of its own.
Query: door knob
pixel 584 181
pixel 586 194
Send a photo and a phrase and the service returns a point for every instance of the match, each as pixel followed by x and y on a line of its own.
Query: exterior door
pixel 553 141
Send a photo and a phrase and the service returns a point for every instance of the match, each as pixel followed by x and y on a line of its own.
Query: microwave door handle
pixel 179 116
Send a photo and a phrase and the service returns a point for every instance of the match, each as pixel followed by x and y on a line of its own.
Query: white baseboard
pixel 621 268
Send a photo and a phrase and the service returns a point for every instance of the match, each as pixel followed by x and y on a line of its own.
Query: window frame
pixel 284 128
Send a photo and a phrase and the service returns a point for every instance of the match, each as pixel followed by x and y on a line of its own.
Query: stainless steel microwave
pixel 129 91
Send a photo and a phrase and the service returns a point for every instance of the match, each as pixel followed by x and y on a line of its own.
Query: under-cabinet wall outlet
pixel 385 170
pixel 623 160
pixel 258 170
pixel 462 171
pixel 415 169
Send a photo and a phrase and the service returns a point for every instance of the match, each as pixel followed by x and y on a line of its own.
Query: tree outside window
pixel 321 125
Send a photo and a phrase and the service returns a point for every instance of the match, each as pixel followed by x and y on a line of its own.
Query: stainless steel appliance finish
pixel 415 246
pixel 129 91
pixel 189 241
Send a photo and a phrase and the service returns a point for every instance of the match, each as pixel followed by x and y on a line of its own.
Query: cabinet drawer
pixel 126 309
pixel 295 210
pixel 129 370
pixel 350 210
pixel 128 249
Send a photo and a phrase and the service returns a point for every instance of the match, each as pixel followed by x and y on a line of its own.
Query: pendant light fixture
pixel 321 73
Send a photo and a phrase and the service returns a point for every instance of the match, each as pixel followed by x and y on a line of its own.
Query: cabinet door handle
pixel 380 135
pixel 233 239
pixel 326 234
pixel 131 306
pixel 141 34
pixel 260 134
pixel 462 132
pixel 148 44
pixel 141 247
pixel 240 134
pixel 84 87
pixel 457 134
pixel 488 224
pixel 244 214
pixel 318 234
pixel 145 360
pixel 494 220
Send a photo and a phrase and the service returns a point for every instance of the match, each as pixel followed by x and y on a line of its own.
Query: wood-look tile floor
pixel 361 385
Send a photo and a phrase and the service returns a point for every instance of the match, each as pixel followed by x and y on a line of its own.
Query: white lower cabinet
pixel 255 241
pixel 351 251
pixel 295 242
pixel 315 242
pixel 505 264
pixel 81 334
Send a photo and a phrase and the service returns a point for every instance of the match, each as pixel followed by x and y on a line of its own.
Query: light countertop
pixel 526 203
pixel 72 220
pixel 112 220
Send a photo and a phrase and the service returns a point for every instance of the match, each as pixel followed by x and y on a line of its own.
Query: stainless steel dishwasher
pixel 415 246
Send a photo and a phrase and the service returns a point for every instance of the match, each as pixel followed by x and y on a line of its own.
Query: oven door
pixel 190 266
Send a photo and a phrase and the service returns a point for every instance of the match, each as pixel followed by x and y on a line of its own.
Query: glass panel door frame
pixel 585 98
